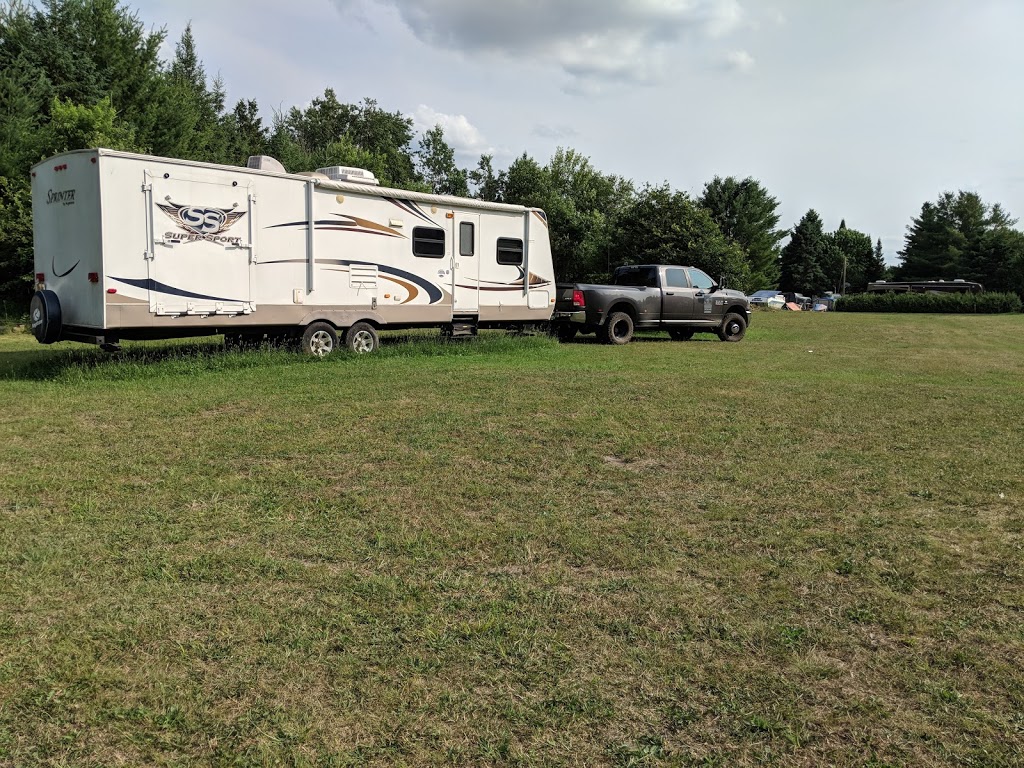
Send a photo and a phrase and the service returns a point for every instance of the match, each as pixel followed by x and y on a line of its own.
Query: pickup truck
pixel 680 300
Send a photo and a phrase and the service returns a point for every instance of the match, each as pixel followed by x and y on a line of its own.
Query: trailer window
pixel 428 242
pixel 510 251
pixel 466 238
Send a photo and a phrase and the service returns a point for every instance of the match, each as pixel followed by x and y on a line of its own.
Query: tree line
pixel 86 73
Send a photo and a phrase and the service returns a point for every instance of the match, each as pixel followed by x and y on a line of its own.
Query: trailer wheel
pixel 45 316
pixel 362 338
pixel 618 329
pixel 319 339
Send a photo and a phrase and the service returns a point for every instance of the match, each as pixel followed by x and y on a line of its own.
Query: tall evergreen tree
pixel 876 267
pixel 747 214
pixel 802 257
pixel 72 73
pixel 246 134
pixel 960 236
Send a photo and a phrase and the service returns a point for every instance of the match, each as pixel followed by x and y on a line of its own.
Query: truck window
pixel 428 242
pixel 510 251
pixel 644 277
pixel 676 278
pixel 701 280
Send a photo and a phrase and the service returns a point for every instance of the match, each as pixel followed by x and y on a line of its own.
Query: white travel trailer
pixel 135 247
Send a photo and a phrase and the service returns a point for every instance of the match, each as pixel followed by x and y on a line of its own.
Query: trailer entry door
pixel 466 257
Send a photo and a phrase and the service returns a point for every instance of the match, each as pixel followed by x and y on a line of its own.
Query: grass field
pixel 805 549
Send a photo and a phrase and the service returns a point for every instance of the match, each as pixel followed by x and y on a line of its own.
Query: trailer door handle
pixel 669 293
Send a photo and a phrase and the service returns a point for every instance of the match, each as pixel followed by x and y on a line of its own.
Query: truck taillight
pixel 40 281
pixel 578 300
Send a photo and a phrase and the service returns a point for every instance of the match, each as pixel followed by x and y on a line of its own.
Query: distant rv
pixel 926 286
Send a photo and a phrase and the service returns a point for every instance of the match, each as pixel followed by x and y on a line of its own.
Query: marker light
pixel 94 277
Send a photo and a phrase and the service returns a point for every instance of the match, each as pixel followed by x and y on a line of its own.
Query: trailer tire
pixel 733 328
pixel 362 338
pixel 319 339
pixel 45 316
pixel 618 329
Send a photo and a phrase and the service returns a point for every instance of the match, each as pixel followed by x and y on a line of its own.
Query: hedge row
pixel 967 303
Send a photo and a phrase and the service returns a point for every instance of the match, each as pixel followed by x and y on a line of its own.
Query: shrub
pixel 948 303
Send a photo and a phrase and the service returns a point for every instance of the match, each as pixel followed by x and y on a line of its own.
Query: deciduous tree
pixel 748 215
pixel 436 164
pixel 663 226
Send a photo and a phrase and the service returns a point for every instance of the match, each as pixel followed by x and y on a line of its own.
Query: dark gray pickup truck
pixel 680 300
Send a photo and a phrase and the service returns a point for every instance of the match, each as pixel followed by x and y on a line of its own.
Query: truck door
pixel 200 245
pixel 703 300
pixel 466 262
pixel 678 296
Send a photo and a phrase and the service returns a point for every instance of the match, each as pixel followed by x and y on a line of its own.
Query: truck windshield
pixel 646 277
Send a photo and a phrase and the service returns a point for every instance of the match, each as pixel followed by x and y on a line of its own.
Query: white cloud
pixel 556 132
pixel 594 43
pixel 460 134
pixel 739 61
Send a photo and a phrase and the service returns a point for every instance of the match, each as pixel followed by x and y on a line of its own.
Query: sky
pixel 861 110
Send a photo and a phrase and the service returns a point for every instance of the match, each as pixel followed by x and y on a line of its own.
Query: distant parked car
pixel 825 303
pixel 767 300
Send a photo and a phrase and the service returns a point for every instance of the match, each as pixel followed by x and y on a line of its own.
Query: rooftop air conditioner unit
pixel 352 175
pixel 265 163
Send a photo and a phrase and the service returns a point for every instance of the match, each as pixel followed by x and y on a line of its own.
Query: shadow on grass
pixel 154 359
pixel 47 364
pixel 645 338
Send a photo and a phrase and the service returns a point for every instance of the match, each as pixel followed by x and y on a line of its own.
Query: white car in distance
pixel 767 300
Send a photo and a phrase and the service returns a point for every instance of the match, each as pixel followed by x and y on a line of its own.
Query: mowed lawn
pixel 804 549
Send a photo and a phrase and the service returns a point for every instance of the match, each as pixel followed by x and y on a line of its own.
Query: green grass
pixel 804 549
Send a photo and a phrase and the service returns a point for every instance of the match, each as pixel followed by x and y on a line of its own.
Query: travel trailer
pixel 129 246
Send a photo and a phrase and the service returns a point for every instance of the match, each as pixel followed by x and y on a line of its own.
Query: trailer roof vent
pixel 353 175
pixel 265 163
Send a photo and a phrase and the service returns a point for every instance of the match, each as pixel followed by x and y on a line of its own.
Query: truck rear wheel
pixel 319 339
pixel 733 328
pixel 45 316
pixel 362 338
pixel 618 329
